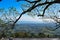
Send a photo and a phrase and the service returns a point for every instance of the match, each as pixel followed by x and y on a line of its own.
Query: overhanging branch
pixel 34 6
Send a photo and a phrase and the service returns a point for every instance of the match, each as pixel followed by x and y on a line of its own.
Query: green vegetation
pixel 8 17
pixel 32 35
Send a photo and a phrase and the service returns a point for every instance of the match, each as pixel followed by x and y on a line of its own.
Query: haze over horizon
pixel 27 18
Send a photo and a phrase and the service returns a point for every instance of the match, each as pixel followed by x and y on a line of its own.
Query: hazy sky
pixel 12 3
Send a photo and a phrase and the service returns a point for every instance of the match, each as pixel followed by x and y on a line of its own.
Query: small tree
pixel 7 18
pixel 54 15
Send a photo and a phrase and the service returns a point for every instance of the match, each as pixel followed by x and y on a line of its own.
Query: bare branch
pixel 33 1
pixel 34 6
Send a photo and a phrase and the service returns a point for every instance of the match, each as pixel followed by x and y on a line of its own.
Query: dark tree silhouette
pixel 36 4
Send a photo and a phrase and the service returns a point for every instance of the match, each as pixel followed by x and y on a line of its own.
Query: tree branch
pixel 29 10
pixel 33 1
pixel 34 6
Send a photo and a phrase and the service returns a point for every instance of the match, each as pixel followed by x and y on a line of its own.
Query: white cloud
pixel 29 18
pixel 35 19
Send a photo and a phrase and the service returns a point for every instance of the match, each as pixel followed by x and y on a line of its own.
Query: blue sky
pixel 8 3
pixel 12 3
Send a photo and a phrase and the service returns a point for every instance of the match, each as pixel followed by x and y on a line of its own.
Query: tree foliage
pixel 40 5
pixel 7 17
pixel 33 7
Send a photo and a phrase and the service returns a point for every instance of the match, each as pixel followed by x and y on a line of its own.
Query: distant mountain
pixel 34 27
